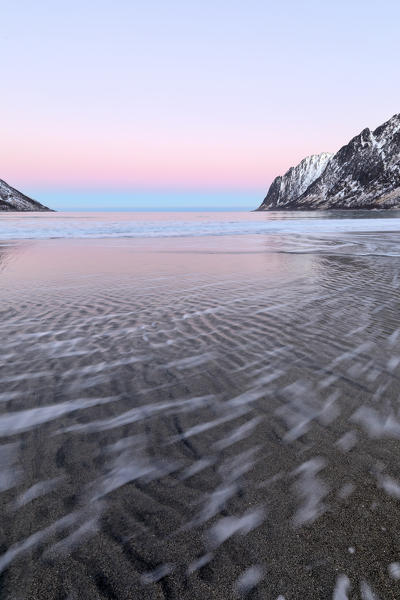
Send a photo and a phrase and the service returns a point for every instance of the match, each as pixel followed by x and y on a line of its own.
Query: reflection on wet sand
pixel 6 252
pixel 206 419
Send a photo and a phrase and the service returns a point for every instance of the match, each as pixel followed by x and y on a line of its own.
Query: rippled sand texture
pixel 200 419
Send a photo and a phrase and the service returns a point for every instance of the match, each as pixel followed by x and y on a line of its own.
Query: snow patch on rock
pixel 13 200
pixel 363 174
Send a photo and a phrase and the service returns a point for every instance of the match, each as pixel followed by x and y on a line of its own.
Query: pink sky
pixel 188 96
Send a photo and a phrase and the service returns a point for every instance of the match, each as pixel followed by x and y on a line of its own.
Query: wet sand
pixel 200 419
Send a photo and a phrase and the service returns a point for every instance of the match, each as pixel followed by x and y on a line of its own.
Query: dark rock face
pixel 13 200
pixel 363 174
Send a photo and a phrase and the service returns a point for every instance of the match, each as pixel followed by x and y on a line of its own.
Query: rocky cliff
pixel 363 174
pixel 13 200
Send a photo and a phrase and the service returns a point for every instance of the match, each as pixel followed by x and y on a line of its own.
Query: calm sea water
pixel 143 225
pixel 199 405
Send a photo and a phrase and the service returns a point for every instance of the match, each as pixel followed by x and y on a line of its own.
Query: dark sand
pixel 200 419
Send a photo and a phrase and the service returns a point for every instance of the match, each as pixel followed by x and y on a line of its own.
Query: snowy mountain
pixel 287 188
pixel 12 200
pixel 363 174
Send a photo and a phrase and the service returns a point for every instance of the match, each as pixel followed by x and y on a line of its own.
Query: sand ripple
pixel 201 434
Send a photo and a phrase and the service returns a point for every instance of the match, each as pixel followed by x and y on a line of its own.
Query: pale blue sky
pixel 129 98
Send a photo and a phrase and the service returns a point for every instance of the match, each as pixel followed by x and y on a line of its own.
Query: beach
pixel 199 407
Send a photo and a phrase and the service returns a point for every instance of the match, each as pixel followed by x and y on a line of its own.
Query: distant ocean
pixel 182 224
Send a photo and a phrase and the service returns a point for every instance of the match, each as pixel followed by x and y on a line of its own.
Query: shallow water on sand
pixel 201 417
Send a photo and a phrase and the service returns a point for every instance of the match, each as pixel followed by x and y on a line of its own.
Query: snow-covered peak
pixel 391 127
pixel 365 173
pixel 296 180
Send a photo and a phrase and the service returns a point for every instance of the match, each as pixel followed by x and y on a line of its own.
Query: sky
pixel 176 104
